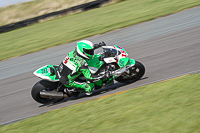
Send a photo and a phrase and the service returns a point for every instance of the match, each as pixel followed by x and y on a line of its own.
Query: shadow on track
pixel 95 93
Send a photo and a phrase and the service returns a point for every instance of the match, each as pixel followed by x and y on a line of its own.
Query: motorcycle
pixel 112 62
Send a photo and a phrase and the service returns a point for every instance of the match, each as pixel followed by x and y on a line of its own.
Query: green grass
pixel 167 107
pixel 26 10
pixel 81 25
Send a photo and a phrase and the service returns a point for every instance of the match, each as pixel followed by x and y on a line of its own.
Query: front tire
pixel 135 73
pixel 43 85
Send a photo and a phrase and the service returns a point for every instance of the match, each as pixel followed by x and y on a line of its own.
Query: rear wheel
pixel 133 74
pixel 44 85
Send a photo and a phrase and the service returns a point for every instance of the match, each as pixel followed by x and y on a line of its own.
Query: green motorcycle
pixel 113 62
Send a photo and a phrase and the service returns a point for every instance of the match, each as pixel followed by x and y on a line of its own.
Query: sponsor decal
pixel 121 62
pixel 124 54
pixel 66 59
pixel 119 47
pixel 48 70
pixel 43 71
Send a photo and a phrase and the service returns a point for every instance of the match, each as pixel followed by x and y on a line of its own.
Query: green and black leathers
pixel 73 66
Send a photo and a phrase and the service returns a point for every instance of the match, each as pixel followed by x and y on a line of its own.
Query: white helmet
pixel 85 48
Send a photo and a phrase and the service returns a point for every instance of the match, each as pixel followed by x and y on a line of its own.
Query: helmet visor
pixel 89 51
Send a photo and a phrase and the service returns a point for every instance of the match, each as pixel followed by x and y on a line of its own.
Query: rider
pixel 75 64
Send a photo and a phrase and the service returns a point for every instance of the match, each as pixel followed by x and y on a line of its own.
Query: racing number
pixel 123 53
pixel 65 60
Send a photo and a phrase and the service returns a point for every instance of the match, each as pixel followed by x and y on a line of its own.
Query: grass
pixel 170 106
pixel 81 25
pixel 22 11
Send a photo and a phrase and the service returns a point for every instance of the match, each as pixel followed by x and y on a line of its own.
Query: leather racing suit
pixel 73 66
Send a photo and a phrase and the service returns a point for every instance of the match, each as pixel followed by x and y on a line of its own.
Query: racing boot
pixel 86 87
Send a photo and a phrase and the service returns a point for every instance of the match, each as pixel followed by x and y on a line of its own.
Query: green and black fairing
pixel 48 72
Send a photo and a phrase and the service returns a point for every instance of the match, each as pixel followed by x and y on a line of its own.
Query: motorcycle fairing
pixel 131 62
pixel 118 55
pixel 120 48
pixel 47 72
pixel 123 62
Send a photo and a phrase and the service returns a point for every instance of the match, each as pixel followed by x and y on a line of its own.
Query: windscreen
pixel 109 52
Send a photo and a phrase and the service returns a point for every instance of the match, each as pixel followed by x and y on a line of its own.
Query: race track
pixel 168 47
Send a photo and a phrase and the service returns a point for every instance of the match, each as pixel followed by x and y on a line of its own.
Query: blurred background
pixel 162 34
pixel 11 2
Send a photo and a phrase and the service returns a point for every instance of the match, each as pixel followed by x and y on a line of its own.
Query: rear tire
pixel 43 85
pixel 136 72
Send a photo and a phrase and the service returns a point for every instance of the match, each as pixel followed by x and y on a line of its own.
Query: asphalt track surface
pixel 168 47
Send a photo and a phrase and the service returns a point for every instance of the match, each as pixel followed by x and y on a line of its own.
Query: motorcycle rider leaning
pixel 75 64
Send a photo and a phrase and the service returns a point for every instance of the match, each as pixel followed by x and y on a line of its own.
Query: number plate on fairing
pixel 45 72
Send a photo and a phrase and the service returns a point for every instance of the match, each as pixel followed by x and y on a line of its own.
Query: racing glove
pixel 99 45
pixel 102 44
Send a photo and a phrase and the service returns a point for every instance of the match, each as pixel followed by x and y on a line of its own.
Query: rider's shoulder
pixel 71 53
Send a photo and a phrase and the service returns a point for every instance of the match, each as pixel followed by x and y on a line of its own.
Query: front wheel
pixel 133 74
pixel 44 85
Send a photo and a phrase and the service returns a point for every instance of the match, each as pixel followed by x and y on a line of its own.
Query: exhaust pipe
pixel 49 94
